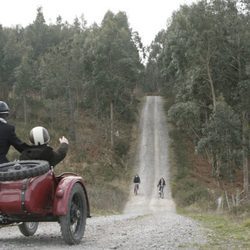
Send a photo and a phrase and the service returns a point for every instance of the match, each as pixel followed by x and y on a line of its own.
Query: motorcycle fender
pixel 63 190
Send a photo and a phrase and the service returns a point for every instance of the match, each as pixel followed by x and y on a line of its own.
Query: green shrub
pixel 247 223
pixel 121 147
pixel 187 192
pixel 105 198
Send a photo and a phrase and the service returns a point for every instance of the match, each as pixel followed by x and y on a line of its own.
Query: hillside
pixel 147 222
pixel 194 183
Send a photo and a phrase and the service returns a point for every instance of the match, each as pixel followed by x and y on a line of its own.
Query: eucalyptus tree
pixel 11 54
pixel 113 67
pixel 222 141
pixel 61 78
pixel 4 88
pixel 205 56
pixel 41 36
pixel 26 85
pixel 154 79
pixel 185 61
pixel 242 91
pixel 53 74
pixel 37 35
pixel 186 116
pixel 235 84
pixel 117 63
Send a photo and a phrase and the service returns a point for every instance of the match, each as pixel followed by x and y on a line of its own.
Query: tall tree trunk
pixel 245 154
pixel 24 109
pixel 211 83
pixel 71 116
pixel 112 124
pixel 244 129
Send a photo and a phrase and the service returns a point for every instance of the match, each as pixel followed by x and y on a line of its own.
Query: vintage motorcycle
pixel 30 193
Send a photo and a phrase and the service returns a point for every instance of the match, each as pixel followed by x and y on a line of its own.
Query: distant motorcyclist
pixel 137 182
pixel 161 184
pixel 8 136
pixel 40 150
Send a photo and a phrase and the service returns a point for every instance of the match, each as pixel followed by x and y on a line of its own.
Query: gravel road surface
pixel 147 221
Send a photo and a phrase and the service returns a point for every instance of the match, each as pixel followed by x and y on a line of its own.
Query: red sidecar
pixel 31 193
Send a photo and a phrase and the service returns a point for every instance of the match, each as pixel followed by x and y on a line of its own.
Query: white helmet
pixel 39 136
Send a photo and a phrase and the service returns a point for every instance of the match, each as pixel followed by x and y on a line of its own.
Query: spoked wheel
pixel 161 194
pixel 28 228
pixel 73 223
pixel 19 170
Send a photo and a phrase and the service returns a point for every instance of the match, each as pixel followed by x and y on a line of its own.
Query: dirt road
pixel 152 161
pixel 147 222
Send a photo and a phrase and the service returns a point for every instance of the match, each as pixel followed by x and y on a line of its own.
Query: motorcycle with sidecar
pixel 30 193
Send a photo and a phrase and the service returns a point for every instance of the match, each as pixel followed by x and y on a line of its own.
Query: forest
pixel 87 82
pixel 55 73
pixel 202 62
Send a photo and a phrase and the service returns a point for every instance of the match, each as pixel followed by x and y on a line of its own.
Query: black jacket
pixel 137 179
pixel 161 182
pixel 8 138
pixel 46 153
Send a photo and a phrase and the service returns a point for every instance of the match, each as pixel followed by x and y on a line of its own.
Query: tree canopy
pixel 202 60
pixel 76 66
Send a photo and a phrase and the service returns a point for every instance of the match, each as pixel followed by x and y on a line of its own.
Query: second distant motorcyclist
pixel 137 182
pixel 161 184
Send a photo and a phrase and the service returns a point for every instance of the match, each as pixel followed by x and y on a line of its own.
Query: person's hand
pixel 63 140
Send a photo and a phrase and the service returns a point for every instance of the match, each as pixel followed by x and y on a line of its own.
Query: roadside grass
pixel 106 198
pixel 227 230
pixel 224 231
pixel 106 173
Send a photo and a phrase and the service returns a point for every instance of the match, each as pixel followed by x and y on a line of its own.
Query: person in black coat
pixel 161 184
pixel 40 150
pixel 137 182
pixel 8 136
pixel 137 179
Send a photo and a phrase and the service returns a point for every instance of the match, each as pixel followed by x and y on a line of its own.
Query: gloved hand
pixel 63 140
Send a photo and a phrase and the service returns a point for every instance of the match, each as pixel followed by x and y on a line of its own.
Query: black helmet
pixel 4 108
pixel 39 136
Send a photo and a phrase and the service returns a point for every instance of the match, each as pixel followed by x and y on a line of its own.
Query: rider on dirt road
pixel 136 181
pixel 161 184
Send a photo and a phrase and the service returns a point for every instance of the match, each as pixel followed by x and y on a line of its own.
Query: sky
pixel 147 17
